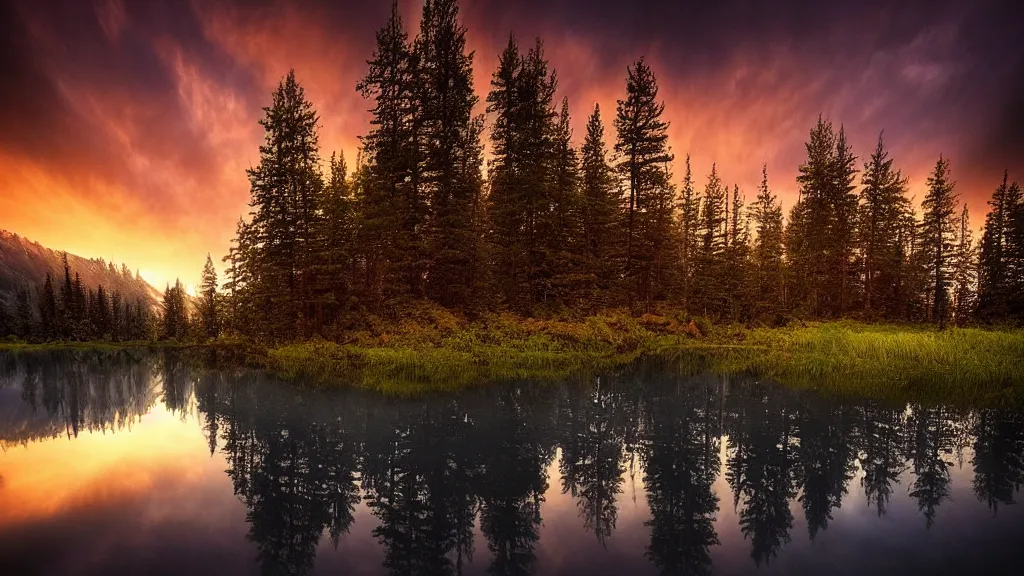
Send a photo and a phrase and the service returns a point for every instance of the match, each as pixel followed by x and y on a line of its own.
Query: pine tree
pixel 601 211
pixel 81 329
pixel 843 234
pixel 768 263
pixel 241 264
pixel 48 315
pixel 561 226
pixel 284 188
pixel 999 281
pixel 174 325
pixel 710 261
pixel 66 313
pixel 337 250
pixel 964 276
pixel 392 206
pixel 883 210
pixel 209 301
pixel 689 232
pixel 521 176
pixel 642 146
pixel 141 322
pixel 736 285
pixel 938 231
pixel 820 239
pixel 452 158
pixel 1015 253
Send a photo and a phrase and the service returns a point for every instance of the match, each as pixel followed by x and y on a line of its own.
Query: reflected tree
pixel 998 456
pixel 593 421
pixel 293 462
pixel 514 477
pixel 679 452
pixel 761 465
pixel 826 457
pixel 930 436
pixel 881 445
pixel 418 476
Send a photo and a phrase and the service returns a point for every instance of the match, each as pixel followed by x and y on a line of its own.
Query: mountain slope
pixel 24 264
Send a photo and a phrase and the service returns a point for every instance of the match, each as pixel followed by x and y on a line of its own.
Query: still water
pixel 151 463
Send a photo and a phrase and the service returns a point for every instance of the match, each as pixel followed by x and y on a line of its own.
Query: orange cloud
pixel 131 125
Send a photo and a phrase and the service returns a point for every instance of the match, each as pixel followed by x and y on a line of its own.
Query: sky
pixel 126 126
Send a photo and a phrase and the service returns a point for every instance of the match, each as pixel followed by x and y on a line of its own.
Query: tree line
pixel 67 310
pixel 557 228
pixel 74 312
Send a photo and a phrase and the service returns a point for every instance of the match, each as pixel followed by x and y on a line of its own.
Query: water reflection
pixel 459 484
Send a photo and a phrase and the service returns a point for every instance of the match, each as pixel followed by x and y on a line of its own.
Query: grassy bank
pixel 434 350
pixel 885 361
pixel 446 354
pixel 969 366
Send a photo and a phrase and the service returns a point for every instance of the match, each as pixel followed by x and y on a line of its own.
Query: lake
pixel 138 462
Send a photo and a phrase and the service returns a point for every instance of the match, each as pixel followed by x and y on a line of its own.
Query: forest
pixel 550 227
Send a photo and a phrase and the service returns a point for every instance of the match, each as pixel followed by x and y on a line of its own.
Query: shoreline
pixel 883 361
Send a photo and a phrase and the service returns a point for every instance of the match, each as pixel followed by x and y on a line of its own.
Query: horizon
pixel 130 136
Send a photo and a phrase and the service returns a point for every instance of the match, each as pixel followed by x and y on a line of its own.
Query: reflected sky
pixel 123 463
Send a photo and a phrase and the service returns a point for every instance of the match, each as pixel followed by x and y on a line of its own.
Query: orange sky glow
pixel 138 120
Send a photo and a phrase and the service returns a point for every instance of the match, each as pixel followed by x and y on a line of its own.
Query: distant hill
pixel 24 264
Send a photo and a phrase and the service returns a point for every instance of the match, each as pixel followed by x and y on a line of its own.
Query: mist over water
pixel 159 463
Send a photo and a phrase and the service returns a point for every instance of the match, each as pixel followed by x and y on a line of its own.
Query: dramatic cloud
pixel 128 125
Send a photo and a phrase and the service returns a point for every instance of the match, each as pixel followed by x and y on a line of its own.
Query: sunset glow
pixel 130 125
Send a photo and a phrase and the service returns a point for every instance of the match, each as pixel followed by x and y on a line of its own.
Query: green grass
pixel 501 347
pixel 958 365
pixel 430 349
pixel 882 361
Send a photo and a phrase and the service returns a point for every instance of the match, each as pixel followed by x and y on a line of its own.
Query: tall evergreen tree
pixel 66 314
pixel 1000 261
pixel 883 211
pixel 767 255
pixel 522 179
pixel 642 148
pixel 737 285
pixel 452 158
pixel 239 285
pixel 174 325
pixel 689 234
pixel 392 205
pixel 100 314
pixel 819 241
pixel 843 234
pixel 284 188
pixel 118 324
pixel 601 212
pixel 965 270
pixel 710 259
pixel 79 309
pixel 209 301
pixel 335 272
pixel 561 227
pixel 938 233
